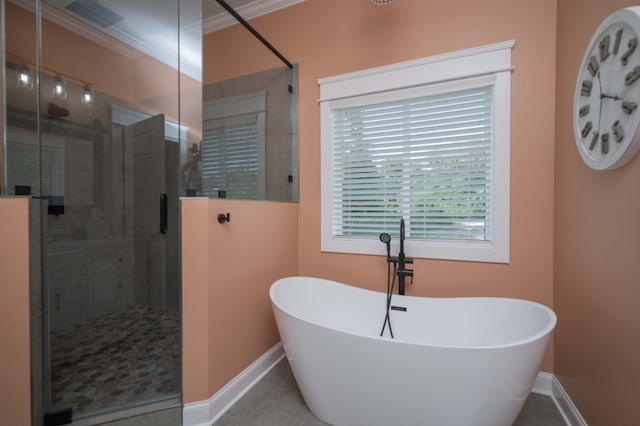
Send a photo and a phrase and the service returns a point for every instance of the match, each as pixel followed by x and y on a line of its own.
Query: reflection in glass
pixel 25 78
pixel 248 144
pixel 59 88
pixel 87 95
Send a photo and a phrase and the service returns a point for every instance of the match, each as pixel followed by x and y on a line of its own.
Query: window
pixel 427 141
pixel 233 147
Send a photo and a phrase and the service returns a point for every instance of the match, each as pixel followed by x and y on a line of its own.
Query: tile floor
pixel 117 360
pixel 167 417
pixel 276 401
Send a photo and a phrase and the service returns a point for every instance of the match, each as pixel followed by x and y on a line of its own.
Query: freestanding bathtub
pixel 453 361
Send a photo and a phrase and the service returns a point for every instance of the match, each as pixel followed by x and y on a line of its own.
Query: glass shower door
pixel 122 348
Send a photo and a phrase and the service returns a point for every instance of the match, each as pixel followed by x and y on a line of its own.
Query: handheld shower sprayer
pixel 386 238
pixel 391 279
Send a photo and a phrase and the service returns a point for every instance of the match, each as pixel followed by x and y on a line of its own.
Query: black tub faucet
pixel 403 272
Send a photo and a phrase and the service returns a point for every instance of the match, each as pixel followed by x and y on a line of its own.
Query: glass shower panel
pixel 20 165
pixel 249 146
pixel 93 129
pixel 248 139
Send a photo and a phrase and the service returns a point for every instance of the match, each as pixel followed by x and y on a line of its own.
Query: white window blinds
pixel 426 159
pixel 230 160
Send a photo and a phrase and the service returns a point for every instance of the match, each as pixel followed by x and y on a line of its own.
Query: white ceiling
pixel 150 26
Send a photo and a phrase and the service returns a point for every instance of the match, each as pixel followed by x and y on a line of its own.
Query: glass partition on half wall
pixel 98 128
pixel 249 146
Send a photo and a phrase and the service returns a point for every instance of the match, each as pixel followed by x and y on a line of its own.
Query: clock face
pixel 606 114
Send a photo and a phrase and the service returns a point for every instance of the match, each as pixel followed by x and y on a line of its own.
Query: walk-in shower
pixel 94 131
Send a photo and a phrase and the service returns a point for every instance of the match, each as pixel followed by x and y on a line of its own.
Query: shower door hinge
pixel 290 89
pixel 60 417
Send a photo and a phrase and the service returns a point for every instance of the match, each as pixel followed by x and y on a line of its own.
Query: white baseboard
pixel 205 413
pixel 543 384
pixel 548 384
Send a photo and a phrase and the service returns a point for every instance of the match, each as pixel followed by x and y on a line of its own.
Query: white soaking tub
pixel 453 361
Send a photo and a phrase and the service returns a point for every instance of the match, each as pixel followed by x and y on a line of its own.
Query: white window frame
pixel 449 72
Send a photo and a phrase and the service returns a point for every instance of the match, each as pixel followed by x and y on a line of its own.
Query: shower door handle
pixel 163 213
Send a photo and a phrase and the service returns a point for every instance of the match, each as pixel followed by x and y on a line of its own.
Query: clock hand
pixel 604 95
pixel 600 108
pixel 615 97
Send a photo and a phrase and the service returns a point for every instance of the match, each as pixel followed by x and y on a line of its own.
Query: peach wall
pixel 330 37
pixel 15 390
pixel 227 271
pixel 195 299
pixel 597 243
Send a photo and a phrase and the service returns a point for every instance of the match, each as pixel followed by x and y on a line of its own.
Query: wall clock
pixel 605 106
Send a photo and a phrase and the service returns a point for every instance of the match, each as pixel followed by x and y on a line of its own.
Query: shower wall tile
pixel 35 256
pixel 127 272
pixel 156 264
pixel 140 274
pixel 39 382
pixel 114 196
pixel 67 284
pixel 88 279
pixel 69 305
pixel 79 172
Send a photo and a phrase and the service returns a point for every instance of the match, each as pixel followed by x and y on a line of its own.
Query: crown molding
pixel 248 11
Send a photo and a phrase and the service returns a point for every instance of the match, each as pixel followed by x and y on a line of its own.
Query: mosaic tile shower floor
pixel 117 360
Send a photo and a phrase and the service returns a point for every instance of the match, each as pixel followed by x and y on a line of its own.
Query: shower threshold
pixel 125 413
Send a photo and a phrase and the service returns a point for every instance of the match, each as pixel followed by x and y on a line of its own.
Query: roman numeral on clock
pixel 628 107
pixel 594 141
pixel 593 66
pixel 631 47
pixel 604 143
pixel 584 110
pixel 616 44
pixel 603 46
pixel 632 76
pixel 618 133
